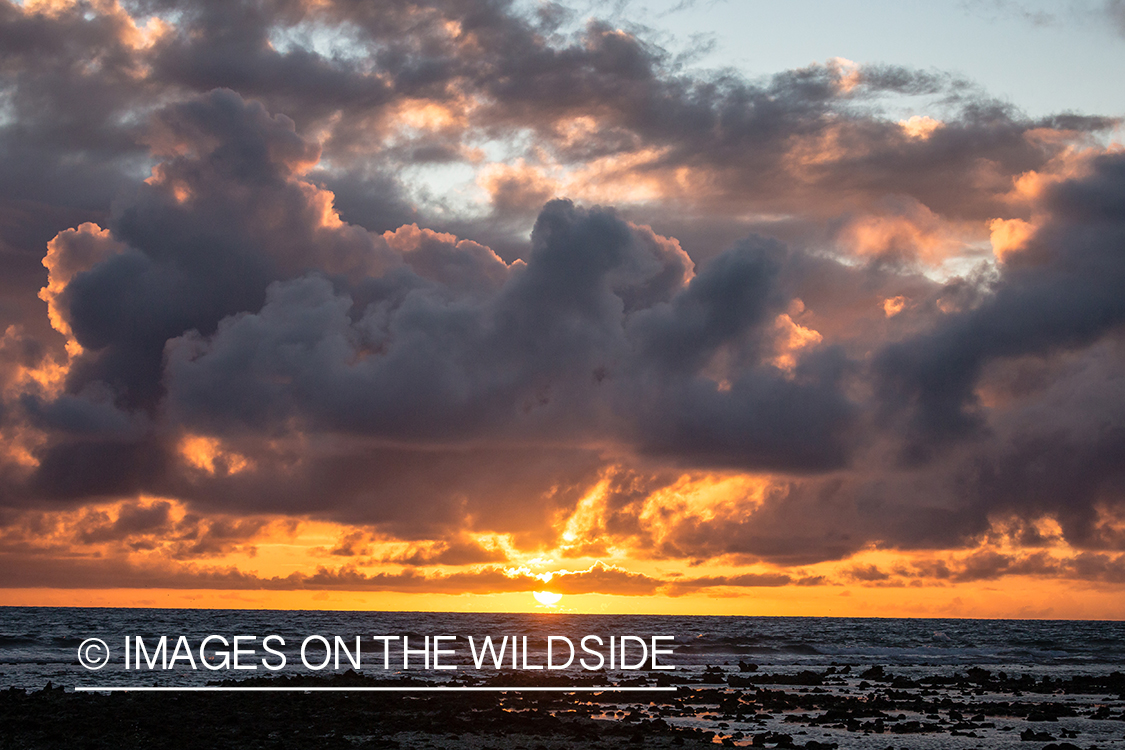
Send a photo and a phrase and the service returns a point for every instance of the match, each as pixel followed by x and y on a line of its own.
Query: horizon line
pixel 556 612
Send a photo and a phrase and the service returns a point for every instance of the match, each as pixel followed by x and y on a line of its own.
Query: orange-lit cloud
pixel 920 126
pixel 915 232
pixel 792 338
pixel 207 454
pixel 892 306
pixel 1009 235
pixel 70 253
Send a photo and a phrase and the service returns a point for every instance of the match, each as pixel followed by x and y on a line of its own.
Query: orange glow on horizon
pixel 1017 600
pixel 282 563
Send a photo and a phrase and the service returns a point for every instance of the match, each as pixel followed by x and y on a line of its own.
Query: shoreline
pixel 813 709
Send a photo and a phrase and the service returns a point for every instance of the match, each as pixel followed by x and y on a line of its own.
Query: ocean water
pixel 40 644
pixel 906 683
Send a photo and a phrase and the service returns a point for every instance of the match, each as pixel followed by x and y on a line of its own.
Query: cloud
pixel 746 580
pixel 447 272
pixel 1115 9
pixel 1057 294
pixel 118 573
pixel 605 335
pixel 456 345
pixel 158 531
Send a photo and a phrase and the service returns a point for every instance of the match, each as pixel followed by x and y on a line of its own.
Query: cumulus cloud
pixel 436 271
pixel 1057 294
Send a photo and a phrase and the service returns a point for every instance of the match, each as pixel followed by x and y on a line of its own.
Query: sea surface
pixel 40 644
pixel 914 684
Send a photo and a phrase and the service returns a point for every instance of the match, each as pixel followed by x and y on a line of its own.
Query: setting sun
pixel 547 598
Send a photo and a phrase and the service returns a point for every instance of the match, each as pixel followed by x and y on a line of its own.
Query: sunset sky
pixel 673 307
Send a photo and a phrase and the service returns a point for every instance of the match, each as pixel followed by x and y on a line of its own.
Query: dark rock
pixel 1030 735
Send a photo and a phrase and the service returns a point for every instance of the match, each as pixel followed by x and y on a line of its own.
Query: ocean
pixel 1005 669
pixel 38 644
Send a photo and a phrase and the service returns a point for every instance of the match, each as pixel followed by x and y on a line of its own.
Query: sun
pixel 547 598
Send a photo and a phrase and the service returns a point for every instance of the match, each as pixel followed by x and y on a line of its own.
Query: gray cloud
pixel 408 367
pixel 1061 293
pixel 1115 9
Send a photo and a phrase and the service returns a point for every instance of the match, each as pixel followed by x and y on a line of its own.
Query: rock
pixel 1030 735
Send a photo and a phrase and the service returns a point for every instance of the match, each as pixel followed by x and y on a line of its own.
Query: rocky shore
pixel 839 707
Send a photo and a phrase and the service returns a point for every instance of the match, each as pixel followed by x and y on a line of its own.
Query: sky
pixel 664 307
pixel 1043 57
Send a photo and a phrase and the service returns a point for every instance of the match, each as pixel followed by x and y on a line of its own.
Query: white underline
pixel 404 689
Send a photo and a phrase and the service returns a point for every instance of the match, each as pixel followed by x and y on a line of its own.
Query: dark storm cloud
pixel 1062 292
pixel 411 493
pixel 227 45
pixel 374 201
pixel 204 289
pixel 221 223
pixel 526 361
pixel 466 345
pixel 1067 476
pixel 73 415
pixel 77 470
pixel 776 143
